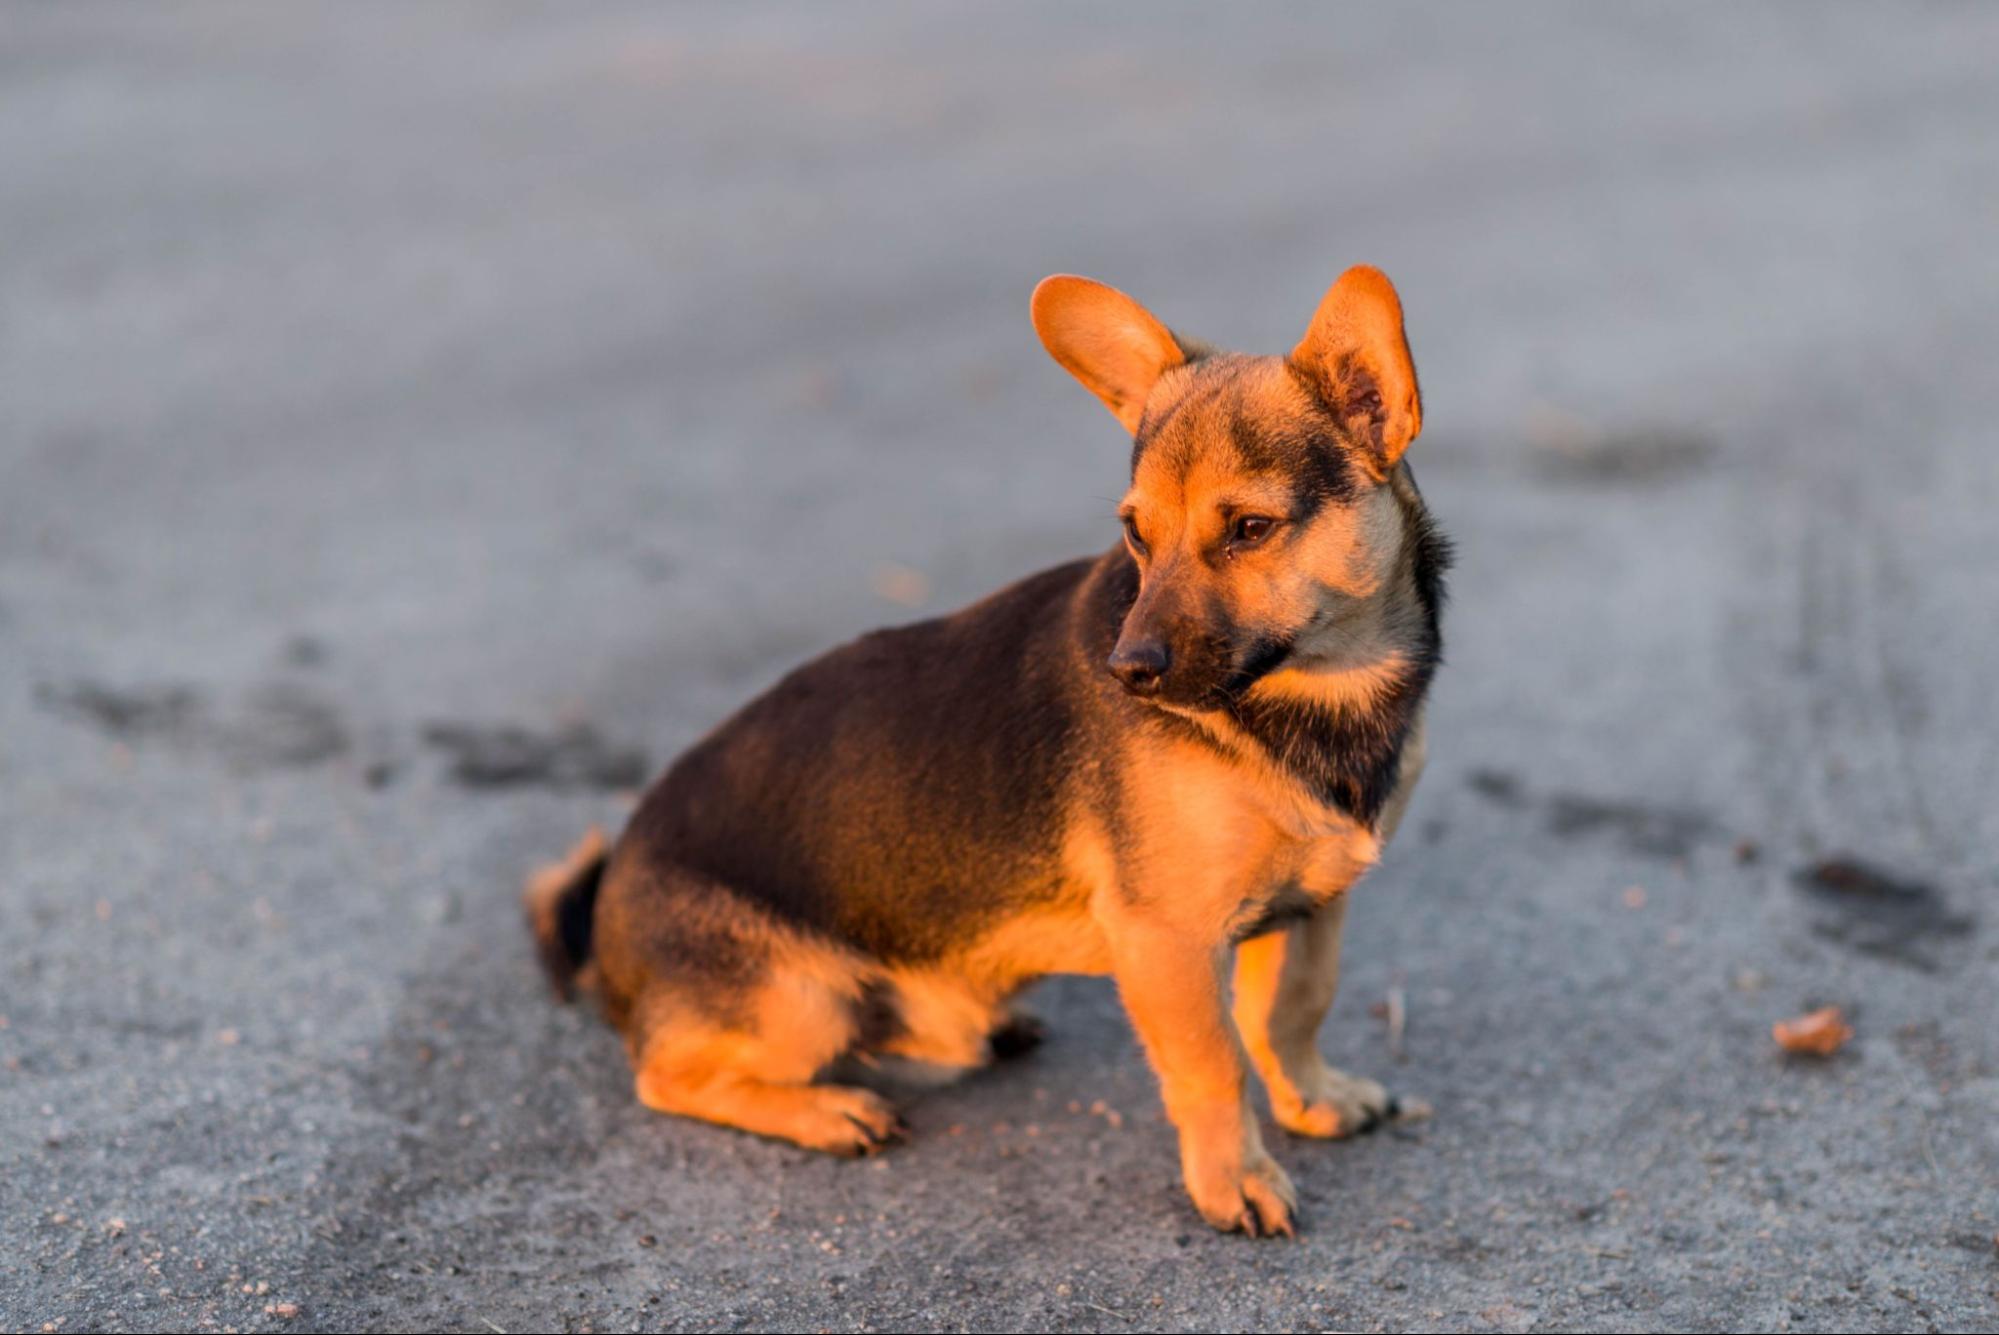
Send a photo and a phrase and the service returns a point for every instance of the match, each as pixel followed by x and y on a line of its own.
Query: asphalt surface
pixel 409 415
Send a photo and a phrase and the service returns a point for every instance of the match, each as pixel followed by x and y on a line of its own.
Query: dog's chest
pixel 1233 835
pixel 1310 846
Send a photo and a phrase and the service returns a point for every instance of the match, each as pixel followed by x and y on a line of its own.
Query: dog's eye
pixel 1131 534
pixel 1249 530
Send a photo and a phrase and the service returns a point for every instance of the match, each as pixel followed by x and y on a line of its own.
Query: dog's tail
pixel 561 902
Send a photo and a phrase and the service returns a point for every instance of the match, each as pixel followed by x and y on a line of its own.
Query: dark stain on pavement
pixel 1652 830
pixel 283 725
pixel 128 713
pixel 277 725
pixel 1875 912
pixel 1498 786
pixel 1659 831
pixel 505 756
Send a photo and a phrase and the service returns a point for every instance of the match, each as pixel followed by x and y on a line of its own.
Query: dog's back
pixel 901 791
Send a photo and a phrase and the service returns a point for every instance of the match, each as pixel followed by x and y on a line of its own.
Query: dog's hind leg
pixel 758 1074
pixel 935 1023
pixel 731 1015
pixel 838 1119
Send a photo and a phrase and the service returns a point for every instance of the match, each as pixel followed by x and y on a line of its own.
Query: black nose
pixel 1140 666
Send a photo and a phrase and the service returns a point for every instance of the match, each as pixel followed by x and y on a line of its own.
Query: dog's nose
pixel 1140 666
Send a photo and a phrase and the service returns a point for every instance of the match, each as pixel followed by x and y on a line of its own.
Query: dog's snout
pixel 1140 666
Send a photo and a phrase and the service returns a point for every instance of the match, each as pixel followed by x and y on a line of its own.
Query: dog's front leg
pixel 1173 989
pixel 1284 985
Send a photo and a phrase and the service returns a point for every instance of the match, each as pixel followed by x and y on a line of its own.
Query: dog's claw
pixel 1257 1200
pixel 1253 1225
pixel 875 1136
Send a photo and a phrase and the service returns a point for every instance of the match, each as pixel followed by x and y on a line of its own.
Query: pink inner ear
pixel 1357 353
pixel 1362 394
pixel 1353 395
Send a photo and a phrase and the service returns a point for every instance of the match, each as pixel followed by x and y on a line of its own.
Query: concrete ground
pixel 417 424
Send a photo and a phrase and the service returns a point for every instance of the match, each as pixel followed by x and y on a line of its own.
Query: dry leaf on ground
pixel 1821 1033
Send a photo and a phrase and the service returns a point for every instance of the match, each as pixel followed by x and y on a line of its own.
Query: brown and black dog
pixel 1163 763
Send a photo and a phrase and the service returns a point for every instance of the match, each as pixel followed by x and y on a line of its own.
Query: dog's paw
pixel 1256 1198
pixel 849 1122
pixel 1332 1105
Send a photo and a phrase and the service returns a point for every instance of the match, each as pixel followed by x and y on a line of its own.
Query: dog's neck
pixel 1352 686
pixel 1340 730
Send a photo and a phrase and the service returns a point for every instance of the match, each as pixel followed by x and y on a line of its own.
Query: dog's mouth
pixel 1221 675
pixel 1259 658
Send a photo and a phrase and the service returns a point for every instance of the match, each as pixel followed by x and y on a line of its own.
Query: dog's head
pixel 1267 515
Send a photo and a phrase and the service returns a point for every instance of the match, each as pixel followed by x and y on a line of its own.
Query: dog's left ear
pixel 1106 340
pixel 1358 357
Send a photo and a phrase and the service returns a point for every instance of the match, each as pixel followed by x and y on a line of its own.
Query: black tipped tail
pixel 561 902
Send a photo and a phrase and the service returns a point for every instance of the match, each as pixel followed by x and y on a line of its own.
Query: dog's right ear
pixel 1106 340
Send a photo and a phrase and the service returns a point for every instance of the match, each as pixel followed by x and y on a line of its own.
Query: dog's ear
pixel 1358 357
pixel 1106 340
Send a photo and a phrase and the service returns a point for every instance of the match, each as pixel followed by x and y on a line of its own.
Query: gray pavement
pixel 409 414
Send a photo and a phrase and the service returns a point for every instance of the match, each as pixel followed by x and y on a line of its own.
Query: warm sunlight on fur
pixel 1149 763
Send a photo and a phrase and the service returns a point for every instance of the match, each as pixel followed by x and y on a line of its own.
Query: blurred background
pixel 418 424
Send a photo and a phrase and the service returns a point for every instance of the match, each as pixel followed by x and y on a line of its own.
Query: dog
pixel 1168 763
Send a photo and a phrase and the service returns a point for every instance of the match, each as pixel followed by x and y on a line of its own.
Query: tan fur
pixel 1215 838
pixel 1033 945
pixel 1227 836
pixel 1284 985
pixel 1173 987
pixel 1105 339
